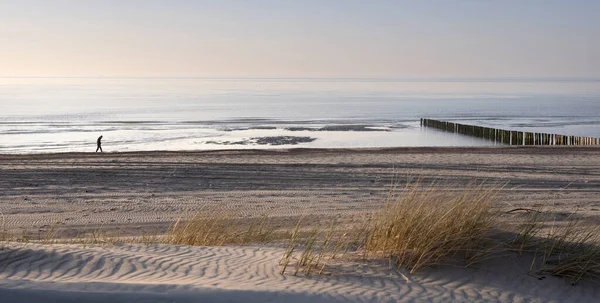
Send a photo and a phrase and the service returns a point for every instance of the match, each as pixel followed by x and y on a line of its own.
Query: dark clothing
pixel 99 144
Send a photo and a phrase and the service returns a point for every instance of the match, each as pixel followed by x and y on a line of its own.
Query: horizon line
pixel 382 79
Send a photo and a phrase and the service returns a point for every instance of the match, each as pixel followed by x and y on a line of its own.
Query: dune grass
pixel 310 251
pixel 417 226
pixel 429 225
pixel 565 247
pixel 424 226
pixel 218 229
pixel 4 237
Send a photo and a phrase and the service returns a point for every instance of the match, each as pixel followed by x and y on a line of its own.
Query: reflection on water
pixel 54 114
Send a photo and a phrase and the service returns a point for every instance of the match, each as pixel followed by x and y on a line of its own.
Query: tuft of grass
pixel 291 247
pixel 565 248
pixel 311 250
pixel 219 229
pixel 417 226
pixel 49 234
pixel 4 237
pixel 527 231
pixel 424 226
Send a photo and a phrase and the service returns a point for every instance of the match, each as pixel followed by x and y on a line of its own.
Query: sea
pixel 52 115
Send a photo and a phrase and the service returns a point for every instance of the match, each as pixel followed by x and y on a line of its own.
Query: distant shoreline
pixel 306 150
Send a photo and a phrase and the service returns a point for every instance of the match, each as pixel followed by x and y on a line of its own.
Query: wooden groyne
pixel 508 137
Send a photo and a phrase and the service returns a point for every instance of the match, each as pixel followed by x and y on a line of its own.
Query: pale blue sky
pixel 303 38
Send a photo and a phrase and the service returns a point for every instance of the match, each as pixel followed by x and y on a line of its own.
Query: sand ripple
pixel 170 273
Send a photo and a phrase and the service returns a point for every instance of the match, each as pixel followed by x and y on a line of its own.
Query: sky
pixel 301 38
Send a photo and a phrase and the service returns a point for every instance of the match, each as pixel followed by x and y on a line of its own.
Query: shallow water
pixel 68 114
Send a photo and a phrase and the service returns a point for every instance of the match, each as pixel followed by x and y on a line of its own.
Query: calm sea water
pixel 68 114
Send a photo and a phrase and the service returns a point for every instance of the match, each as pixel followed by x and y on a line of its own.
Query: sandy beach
pixel 299 151
pixel 129 194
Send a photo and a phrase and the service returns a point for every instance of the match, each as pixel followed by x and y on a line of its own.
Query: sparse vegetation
pixel 561 247
pixel 218 229
pixel 417 226
pixel 3 232
pixel 433 225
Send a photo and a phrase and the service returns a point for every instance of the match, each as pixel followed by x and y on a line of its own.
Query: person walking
pixel 99 143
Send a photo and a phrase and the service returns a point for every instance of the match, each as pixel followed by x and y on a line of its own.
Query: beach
pixel 299 151
pixel 137 193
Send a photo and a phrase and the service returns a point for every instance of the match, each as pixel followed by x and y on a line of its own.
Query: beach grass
pixel 430 225
pixel 426 225
pixel 417 226
pixel 561 245
pixel 218 229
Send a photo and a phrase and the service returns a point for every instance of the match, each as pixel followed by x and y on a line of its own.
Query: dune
pixel 172 273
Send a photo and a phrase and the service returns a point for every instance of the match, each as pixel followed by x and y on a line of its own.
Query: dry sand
pixel 169 273
pixel 133 193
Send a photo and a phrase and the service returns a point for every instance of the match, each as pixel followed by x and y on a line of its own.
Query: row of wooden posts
pixel 508 137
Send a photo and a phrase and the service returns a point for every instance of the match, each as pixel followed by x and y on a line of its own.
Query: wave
pixel 337 128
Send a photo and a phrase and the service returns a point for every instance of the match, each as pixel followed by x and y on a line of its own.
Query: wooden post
pixel 508 137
